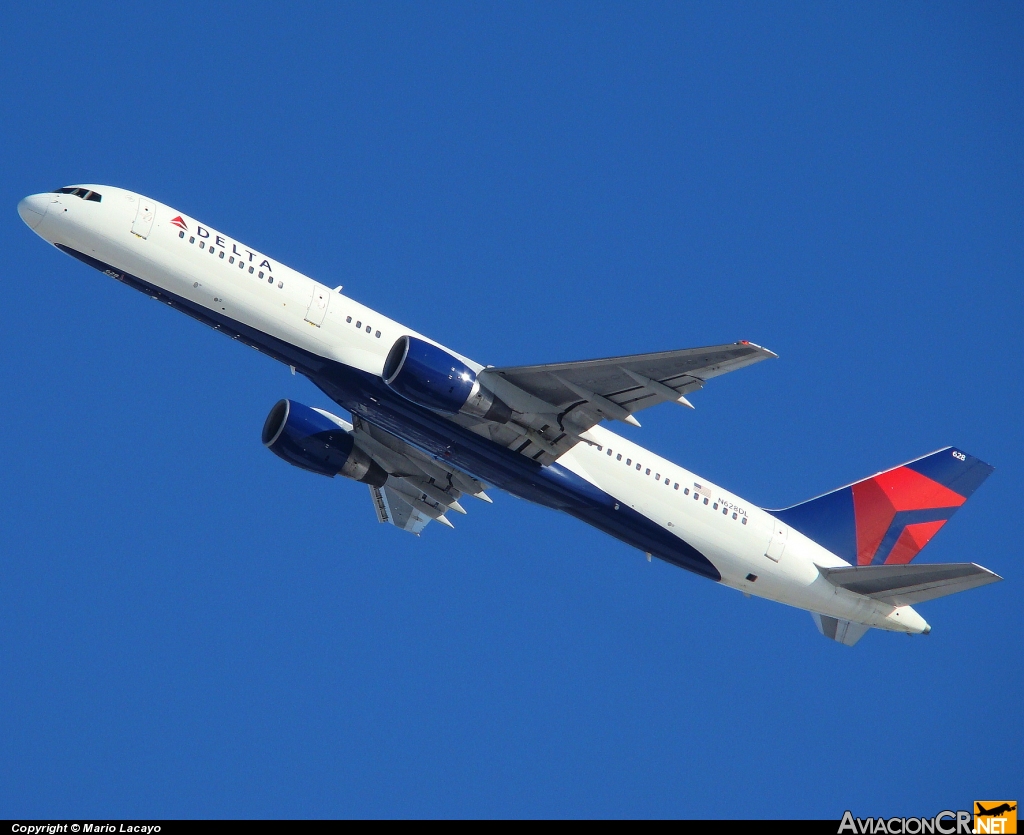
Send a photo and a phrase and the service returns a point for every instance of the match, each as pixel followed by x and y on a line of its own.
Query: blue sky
pixel 191 628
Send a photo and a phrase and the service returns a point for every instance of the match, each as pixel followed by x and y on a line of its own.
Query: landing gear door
pixel 143 224
pixel 777 544
pixel 318 305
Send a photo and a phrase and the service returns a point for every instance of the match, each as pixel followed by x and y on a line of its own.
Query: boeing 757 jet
pixel 430 426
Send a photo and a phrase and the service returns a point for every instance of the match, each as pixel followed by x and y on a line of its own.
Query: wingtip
pixel 993 577
pixel 768 354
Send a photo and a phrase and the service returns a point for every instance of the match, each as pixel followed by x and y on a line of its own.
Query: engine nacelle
pixel 429 376
pixel 308 439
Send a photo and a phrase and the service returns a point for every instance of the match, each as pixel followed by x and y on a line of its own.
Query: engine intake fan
pixel 431 377
pixel 309 439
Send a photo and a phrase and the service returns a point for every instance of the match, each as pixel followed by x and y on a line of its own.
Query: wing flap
pixel 392 507
pixel 419 488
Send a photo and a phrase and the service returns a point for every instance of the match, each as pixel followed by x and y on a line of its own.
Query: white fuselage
pixel 754 552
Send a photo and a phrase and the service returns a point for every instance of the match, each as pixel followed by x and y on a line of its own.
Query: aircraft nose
pixel 33 208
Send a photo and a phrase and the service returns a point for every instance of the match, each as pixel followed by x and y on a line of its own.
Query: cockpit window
pixel 84 193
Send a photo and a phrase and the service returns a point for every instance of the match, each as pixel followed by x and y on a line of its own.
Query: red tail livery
pixel 888 518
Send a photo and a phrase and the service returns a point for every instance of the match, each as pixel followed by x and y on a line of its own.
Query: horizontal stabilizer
pixel 905 585
pixel 843 631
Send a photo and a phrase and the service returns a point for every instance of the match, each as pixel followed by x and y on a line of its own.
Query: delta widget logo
pixel 179 223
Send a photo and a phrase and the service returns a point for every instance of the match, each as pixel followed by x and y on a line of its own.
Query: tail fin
pixel 888 518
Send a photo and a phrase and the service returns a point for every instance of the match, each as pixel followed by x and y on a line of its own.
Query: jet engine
pixel 313 441
pixel 429 376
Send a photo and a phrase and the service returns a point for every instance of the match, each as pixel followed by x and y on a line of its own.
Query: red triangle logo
pixel 179 223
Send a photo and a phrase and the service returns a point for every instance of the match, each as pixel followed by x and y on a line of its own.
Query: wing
pixel 905 585
pixel 392 507
pixel 557 403
pixel 419 488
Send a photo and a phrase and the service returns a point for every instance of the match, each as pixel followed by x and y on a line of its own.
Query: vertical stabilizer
pixel 888 518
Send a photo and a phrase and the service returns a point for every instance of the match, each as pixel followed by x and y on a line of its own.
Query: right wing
pixel 419 488
pixel 392 507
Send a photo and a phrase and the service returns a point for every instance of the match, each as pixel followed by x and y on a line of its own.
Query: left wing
pixel 554 404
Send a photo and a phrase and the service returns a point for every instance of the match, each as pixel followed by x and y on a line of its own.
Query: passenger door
pixel 777 544
pixel 318 305
pixel 144 217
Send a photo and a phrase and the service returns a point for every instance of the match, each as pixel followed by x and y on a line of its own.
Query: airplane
pixel 995 811
pixel 430 426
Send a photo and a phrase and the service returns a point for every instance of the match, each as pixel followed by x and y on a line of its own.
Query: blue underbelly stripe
pixel 366 395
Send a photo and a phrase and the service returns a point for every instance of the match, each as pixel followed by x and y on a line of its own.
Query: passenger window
pixel 211 249
pixel 657 477
pixel 261 273
pixel 609 452
pixel 221 254
pixel 686 490
pixel 231 260
pixel 725 511
pixel 716 506
pixel 270 280
pixel 648 471
pixel 367 328
pixel 638 467
pixel 348 319
pixel 377 334
pixel 705 501
pixel 202 244
pixel 675 486
pixel 359 324
pixel 241 265
pixel 618 457
pixel 734 516
pixel 251 270
pixel 696 497
pixel 192 239
pixel 629 462
pixel 744 520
